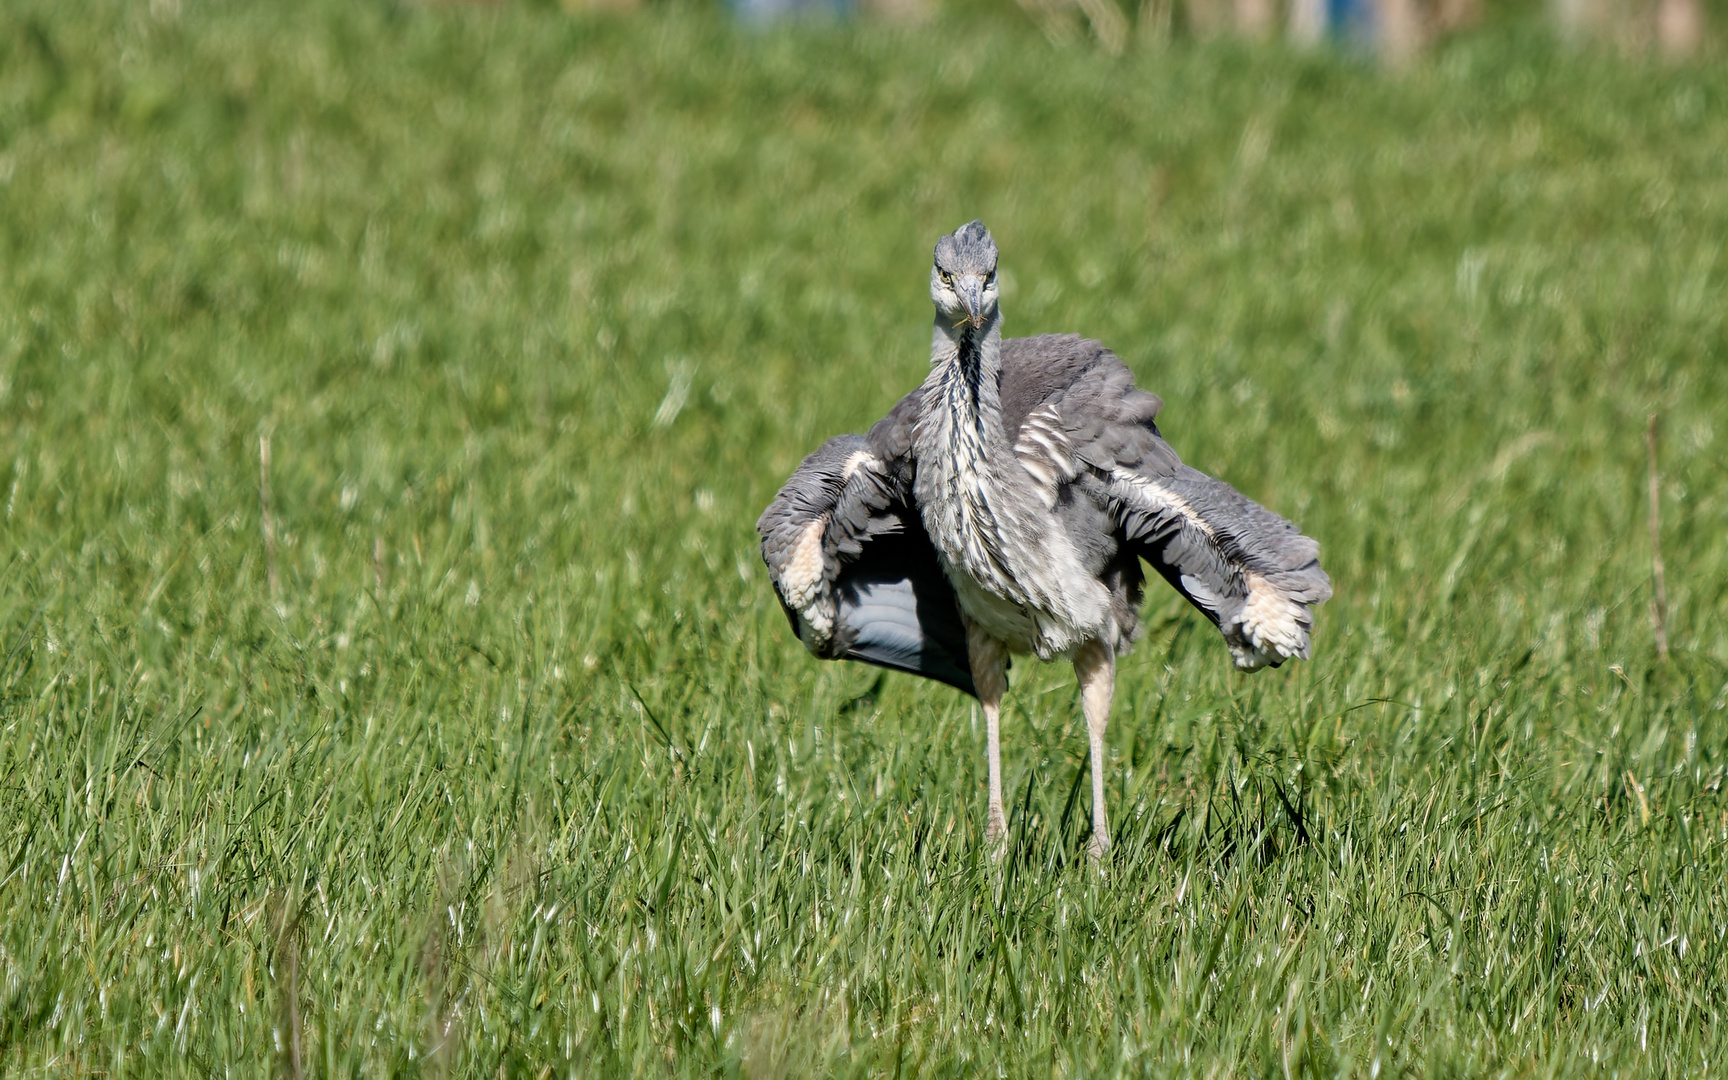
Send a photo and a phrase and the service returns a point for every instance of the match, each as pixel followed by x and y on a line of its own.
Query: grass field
pixel 500 759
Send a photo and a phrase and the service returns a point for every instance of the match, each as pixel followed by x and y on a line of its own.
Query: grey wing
pixel 1250 571
pixel 853 567
pixel 1247 569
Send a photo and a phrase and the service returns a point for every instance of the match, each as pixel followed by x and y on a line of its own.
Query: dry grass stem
pixel 1658 575
pixel 267 520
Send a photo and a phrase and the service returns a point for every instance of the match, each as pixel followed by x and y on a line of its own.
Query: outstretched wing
pixel 1253 574
pixel 853 567
pixel 1079 420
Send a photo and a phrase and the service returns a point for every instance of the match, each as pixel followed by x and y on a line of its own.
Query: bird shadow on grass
pixel 1254 815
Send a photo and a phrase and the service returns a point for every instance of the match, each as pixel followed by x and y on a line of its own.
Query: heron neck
pixel 966 364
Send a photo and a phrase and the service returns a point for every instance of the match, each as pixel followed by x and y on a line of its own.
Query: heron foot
pixel 996 833
pixel 1098 847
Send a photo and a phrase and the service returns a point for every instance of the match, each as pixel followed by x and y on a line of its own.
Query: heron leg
pixel 1095 667
pixel 990 676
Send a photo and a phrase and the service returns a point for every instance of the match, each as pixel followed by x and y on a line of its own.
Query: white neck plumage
pixel 966 371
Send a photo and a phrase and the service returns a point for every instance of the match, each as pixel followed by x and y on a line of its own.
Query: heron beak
pixel 970 288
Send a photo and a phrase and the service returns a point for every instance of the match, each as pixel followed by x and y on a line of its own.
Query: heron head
pixel 963 279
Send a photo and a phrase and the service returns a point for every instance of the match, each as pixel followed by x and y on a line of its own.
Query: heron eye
pixel 947 278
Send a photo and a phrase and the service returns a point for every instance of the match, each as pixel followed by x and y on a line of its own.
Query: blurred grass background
pixel 516 769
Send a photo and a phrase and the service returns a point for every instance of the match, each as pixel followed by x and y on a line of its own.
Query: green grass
pixel 518 769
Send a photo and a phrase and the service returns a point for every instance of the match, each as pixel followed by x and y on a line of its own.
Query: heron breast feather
pixel 1044 451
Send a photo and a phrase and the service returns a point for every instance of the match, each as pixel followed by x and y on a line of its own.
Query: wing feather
pixel 1247 569
pixel 853 567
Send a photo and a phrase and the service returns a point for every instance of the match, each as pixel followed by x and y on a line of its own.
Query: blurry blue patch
pixel 1351 21
pixel 767 11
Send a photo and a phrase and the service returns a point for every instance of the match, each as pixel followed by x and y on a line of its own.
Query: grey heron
pixel 1005 507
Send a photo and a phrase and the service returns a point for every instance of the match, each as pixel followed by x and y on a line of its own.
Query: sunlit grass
pixel 518 766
